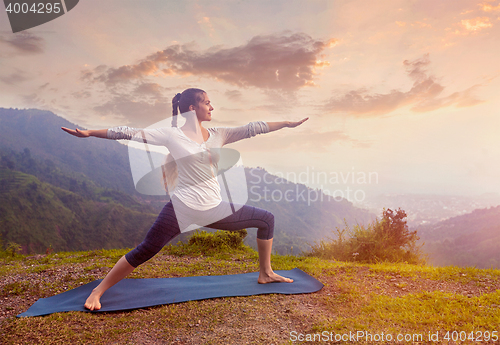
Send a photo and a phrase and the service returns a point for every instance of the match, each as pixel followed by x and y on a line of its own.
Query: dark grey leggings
pixel 166 228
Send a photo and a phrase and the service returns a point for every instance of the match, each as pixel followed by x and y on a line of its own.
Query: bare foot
pixel 272 278
pixel 93 301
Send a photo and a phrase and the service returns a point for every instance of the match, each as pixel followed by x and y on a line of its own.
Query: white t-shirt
pixel 197 184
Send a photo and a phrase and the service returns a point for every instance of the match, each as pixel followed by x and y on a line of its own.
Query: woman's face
pixel 204 109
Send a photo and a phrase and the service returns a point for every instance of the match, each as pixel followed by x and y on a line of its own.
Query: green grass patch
pixel 418 313
pixel 453 273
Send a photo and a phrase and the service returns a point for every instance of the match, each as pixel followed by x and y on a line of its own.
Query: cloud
pixel 282 62
pixel 134 104
pixel 33 100
pixel 476 24
pixel 88 74
pixel 137 113
pixel 153 90
pixel 24 43
pixel 128 73
pixel 423 96
pixel 233 95
pixel 464 98
pixel 81 94
pixel 15 78
pixel 489 7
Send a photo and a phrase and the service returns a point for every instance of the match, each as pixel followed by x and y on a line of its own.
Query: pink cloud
pixel 24 43
pixel 282 62
pixel 15 78
pixel 425 95
pixel 138 113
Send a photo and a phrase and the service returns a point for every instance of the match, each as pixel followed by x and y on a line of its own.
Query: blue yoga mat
pixel 131 294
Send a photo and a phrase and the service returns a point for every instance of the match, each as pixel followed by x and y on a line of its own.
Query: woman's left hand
pixel 292 124
pixel 80 133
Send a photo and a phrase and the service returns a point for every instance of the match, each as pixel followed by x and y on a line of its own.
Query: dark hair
pixel 183 100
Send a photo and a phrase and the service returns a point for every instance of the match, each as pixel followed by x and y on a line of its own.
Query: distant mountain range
pixel 472 239
pixel 88 183
pixel 425 209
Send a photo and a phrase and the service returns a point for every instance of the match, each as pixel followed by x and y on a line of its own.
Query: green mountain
pixel 104 162
pixel 472 239
pixel 39 216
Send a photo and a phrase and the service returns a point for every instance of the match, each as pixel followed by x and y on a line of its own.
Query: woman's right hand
pixel 77 132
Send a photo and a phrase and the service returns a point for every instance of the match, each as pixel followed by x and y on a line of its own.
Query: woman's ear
pixel 191 107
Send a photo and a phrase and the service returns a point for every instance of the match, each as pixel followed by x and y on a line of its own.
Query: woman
pixel 196 197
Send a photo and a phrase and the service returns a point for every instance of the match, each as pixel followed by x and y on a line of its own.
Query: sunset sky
pixel 404 89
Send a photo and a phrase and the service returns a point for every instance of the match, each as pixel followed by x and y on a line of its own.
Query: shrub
pixel 388 239
pixel 13 249
pixel 219 240
pixel 203 242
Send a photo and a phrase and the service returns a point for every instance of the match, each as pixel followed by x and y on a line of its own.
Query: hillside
pixel 385 298
pixel 40 131
pixel 472 239
pixel 425 209
pixel 40 217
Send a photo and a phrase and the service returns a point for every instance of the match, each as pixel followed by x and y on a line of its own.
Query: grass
pixel 373 299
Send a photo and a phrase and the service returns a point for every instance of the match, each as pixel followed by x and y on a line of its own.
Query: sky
pixel 402 96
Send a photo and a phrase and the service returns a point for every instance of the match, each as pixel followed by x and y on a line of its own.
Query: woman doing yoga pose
pixel 195 198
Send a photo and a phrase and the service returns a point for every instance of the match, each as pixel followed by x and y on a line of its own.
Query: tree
pixel 388 239
pixel 395 229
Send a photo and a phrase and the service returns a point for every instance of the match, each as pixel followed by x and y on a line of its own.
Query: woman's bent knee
pixel 266 232
pixel 141 254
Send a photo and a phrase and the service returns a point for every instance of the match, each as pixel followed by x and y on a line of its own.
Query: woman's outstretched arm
pixel 153 136
pixel 85 133
pixel 274 126
pixel 234 134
